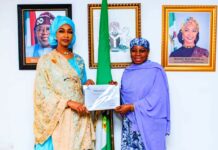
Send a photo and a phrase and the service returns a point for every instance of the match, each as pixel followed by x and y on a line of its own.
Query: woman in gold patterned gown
pixel 61 121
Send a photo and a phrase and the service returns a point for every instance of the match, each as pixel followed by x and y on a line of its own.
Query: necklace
pixel 188 46
pixel 66 52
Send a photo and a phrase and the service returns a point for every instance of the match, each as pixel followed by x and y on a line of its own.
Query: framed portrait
pixel 189 37
pixel 121 30
pixel 34 21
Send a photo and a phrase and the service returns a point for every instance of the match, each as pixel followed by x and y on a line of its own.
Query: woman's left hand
pixel 113 82
pixel 90 82
pixel 123 109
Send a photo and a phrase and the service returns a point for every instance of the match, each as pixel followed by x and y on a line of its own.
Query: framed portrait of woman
pixel 34 21
pixel 189 37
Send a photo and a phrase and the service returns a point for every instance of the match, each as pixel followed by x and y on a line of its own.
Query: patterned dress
pixel 77 64
pixel 131 140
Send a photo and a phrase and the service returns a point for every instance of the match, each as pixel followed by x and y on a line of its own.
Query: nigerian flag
pixel 173 40
pixel 30 18
pixel 106 133
pixel 104 70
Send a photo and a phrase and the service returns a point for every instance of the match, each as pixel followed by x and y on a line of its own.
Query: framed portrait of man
pixel 189 38
pixel 33 31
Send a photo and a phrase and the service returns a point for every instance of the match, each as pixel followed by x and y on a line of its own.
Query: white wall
pixel 194 95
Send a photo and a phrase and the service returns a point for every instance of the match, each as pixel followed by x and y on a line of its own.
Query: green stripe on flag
pixel 107 129
pixel 104 67
pixel 171 19
pixel 104 75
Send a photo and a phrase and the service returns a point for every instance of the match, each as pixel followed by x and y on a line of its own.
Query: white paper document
pixel 101 97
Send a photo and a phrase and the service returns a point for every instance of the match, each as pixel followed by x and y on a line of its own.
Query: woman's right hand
pixel 78 107
pixel 90 82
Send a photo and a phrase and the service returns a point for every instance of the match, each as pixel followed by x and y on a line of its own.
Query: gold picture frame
pixel 182 26
pixel 122 30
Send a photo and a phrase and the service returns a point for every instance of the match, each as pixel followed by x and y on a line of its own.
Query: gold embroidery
pixel 51 117
pixel 54 61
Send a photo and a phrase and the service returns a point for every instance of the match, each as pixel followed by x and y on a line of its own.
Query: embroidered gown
pixel 56 127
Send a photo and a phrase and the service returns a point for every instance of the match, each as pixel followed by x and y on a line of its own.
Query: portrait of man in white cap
pixel 41 30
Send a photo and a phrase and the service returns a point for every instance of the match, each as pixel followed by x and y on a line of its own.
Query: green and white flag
pixel 104 75
pixel 106 133
pixel 173 40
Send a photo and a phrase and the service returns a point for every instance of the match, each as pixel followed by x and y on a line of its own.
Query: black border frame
pixel 21 42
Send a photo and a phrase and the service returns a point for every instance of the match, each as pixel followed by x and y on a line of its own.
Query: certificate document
pixel 101 97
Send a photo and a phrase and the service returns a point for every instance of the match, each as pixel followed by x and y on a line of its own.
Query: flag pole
pixel 112 129
pixel 104 75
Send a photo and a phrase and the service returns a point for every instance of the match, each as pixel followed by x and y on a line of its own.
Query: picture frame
pixel 189 37
pixel 34 21
pixel 121 30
